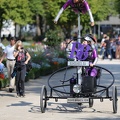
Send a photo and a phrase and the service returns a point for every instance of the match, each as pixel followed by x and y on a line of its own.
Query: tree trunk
pixel 38 30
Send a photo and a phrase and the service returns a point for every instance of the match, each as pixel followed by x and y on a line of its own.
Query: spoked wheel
pixel 91 102
pixel 114 99
pixel 43 99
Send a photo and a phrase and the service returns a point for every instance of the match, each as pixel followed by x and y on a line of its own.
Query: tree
pixel 17 11
pixel 54 38
pixel 36 7
pixel 101 9
pixel 117 6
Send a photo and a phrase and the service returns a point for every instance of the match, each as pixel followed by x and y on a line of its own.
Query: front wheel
pixel 114 99
pixel 43 98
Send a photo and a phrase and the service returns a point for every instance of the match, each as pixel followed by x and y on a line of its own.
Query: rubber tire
pixel 114 99
pixel 43 99
pixel 91 102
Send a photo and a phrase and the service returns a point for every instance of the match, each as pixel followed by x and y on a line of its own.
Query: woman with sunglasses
pixel 22 58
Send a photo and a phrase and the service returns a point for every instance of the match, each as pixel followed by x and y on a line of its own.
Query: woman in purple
pixel 77 6
pixel 92 55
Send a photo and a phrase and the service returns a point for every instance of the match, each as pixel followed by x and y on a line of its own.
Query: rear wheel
pixel 114 99
pixel 43 99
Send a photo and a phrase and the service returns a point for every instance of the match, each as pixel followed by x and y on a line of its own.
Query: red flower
pixel 2 76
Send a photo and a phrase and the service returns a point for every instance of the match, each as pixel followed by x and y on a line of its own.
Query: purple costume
pixel 77 7
pixel 85 52
pixel 84 7
pixel 92 58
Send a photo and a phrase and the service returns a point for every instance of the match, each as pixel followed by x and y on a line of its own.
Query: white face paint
pixel 85 42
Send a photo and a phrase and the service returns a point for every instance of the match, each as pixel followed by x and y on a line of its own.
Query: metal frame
pixel 91 95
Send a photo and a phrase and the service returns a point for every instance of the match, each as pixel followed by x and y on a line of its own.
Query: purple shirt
pixel 94 54
pixel 77 7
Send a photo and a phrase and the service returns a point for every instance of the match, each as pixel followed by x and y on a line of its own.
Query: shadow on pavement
pixel 21 103
pixel 35 109
pixel 74 109
pixel 8 95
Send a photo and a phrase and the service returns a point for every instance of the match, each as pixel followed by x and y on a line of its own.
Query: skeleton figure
pixel 77 6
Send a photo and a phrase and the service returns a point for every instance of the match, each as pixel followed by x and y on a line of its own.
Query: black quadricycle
pixel 70 83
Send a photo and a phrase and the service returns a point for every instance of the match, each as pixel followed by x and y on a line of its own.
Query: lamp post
pixel 79 41
pixel 79 34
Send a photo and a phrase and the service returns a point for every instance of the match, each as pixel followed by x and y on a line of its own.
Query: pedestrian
pixel 113 47
pixel 1 74
pixel 69 45
pixel 118 47
pixel 102 46
pixel 10 62
pixel 107 48
pixel 22 57
pixel 78 6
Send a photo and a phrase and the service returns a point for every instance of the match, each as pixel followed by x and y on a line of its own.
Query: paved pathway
pixel 28 108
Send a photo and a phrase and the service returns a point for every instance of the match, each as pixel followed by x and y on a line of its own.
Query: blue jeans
pixel 107 52
pixel 102 51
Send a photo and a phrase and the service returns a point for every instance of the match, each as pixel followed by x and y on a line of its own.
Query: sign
pixel 78 63
pixel 77 100
pixel 79 51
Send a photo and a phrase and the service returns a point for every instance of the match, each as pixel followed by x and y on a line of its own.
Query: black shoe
pixel 11 89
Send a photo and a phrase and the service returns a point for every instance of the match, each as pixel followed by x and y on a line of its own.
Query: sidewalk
pixel 28 108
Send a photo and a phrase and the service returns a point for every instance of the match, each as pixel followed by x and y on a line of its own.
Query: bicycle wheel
pixel 114 99
pixel 43 99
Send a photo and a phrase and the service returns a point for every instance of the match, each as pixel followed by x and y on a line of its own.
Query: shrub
pixel 3 82
pixel 54 38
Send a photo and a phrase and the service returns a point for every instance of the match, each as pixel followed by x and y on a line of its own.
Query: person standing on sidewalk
pixel 102 46
pixel 107 48
pixel 8 54
pixel 118 47
pixel 22 57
